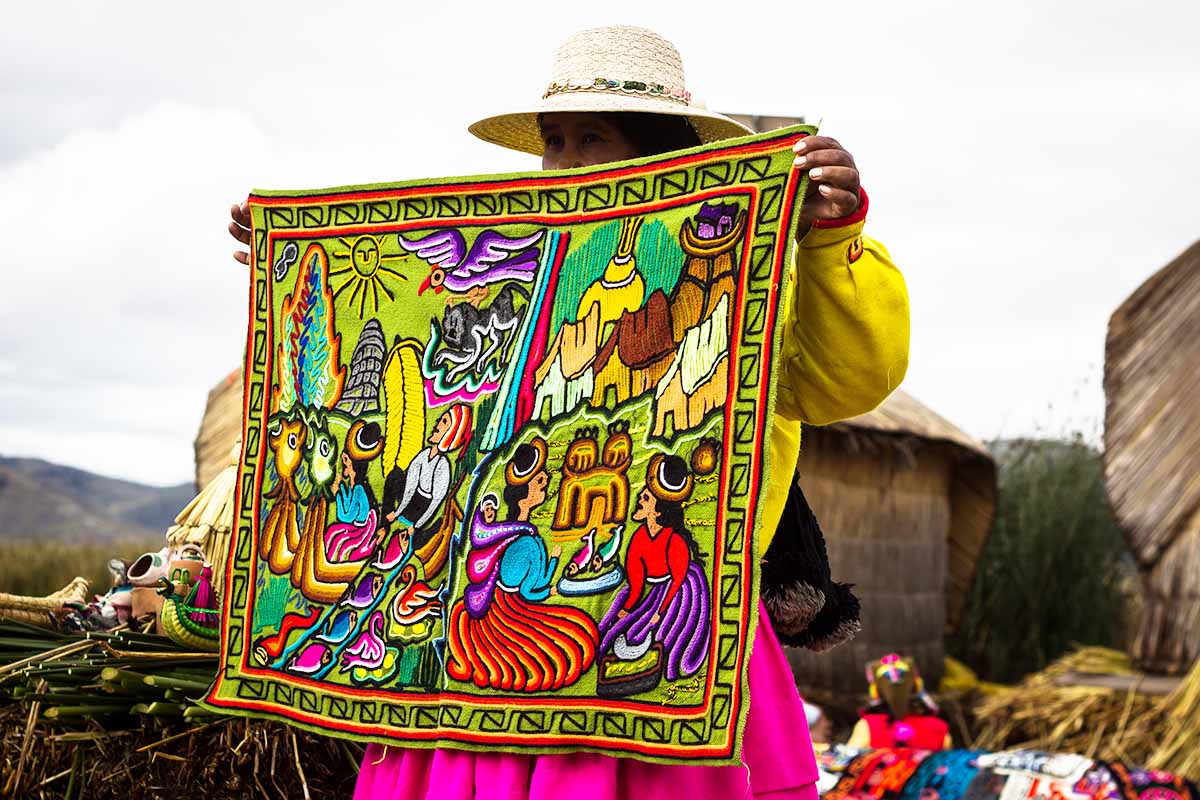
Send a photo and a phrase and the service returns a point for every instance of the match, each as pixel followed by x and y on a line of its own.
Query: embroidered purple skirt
pixel 777 759
pixel 682 631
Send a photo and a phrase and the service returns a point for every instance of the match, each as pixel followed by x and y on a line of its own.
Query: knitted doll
pixel 900 713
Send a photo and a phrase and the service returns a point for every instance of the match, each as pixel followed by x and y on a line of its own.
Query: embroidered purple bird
pixel 493 257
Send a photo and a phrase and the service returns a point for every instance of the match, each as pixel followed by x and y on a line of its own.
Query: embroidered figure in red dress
pixel 665 601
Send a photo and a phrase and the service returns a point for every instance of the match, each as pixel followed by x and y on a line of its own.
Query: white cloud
pixel 1029 164
pixel 122 305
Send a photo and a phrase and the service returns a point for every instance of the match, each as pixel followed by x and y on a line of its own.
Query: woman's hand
pixel 240 230
pixel 833 180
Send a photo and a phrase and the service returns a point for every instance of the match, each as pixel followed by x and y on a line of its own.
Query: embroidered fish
pixel 339 627
pixel 310 659
pixel 365 592
pixel 609 550
pixel 582 560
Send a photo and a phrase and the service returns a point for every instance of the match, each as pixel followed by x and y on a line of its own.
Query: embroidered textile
pixel 503 448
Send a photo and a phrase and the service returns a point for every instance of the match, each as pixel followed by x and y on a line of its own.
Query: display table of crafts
pixel 903 774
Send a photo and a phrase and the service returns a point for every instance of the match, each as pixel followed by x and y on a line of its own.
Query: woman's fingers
pixel 241 214
pixel 845 178
pixel 834 182
pixel 239 233
pixel 810 144
pixel 823 158
pixel 837 202
pixel 239 229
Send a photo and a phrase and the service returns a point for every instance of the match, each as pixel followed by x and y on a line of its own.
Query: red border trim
pixel 245 667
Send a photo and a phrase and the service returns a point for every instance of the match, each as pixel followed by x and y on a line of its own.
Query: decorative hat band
pixel 676 94
pixel 528 460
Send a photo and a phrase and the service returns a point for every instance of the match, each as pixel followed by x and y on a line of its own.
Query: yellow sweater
pixel 845 346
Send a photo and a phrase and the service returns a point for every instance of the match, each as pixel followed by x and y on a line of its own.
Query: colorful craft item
pixel 540 534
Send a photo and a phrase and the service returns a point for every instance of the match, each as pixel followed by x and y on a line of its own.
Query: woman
pixel 667 594
pixel 845 347
pixel 501 635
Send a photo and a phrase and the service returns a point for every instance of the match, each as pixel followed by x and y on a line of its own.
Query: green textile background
pixel 495 328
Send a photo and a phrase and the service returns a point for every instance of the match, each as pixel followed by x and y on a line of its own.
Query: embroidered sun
pixel 364 269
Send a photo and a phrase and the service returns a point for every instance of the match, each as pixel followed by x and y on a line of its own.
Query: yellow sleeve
pixel 844 349
pixel 860 736
pixel 845 340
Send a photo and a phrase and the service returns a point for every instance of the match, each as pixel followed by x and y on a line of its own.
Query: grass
pixel 38 567
pixel 1055 571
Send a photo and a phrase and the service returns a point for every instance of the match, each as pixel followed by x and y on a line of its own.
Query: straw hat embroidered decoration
pixel 668 478
pixel 364 441
pixel 528 460
pixel 613 69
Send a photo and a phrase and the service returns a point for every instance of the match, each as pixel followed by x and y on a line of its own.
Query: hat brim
pixel 519 131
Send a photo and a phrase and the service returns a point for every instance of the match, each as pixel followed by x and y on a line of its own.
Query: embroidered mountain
pixel 675 345
pixel 698 377
pixel 565 377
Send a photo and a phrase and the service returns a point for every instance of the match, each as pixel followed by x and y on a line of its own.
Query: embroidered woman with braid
pixel 667 596
pixel 618 93
pixel 501 634
pixel 352 537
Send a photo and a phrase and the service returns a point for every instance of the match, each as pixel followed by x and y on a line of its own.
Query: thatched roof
pixel 1152 454
pixel 220 428
pixel 904 421
pixel 1152 414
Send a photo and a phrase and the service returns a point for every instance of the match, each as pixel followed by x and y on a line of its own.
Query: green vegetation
pixel 1055 567
pixel 37 567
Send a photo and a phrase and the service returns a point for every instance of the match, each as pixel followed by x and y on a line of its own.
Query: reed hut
pixel 1152 455
pixel 220 429
pixel 905 500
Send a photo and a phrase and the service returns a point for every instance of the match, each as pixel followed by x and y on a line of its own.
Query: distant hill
pixel 40 499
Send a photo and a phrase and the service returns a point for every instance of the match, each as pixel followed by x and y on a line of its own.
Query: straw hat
pixel 613 69
pixel 527 461
pixel 668 478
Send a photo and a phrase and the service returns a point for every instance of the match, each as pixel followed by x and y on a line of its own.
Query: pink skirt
pixel 777 759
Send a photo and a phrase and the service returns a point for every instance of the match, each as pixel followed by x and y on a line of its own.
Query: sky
pixel 1029 165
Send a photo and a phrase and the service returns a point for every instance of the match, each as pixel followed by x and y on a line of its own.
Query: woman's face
pixel 537 489
pixel 580 139
pixel 647 507
pixel 347 468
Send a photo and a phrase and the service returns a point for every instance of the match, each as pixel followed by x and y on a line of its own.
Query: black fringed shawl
pixel 807 608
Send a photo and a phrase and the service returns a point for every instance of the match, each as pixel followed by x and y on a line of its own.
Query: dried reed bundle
pixel 1046 712
pixel 33 610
